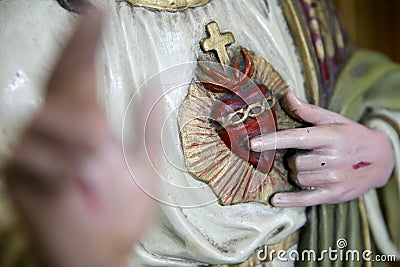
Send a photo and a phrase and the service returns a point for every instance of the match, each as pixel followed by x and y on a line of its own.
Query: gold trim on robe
pixel 168 5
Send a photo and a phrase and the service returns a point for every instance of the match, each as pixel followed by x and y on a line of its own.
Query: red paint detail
pixel 213 166
pixel 325 70
pixel 219 171
pixel 225 186
pixel 237 186
pixel 324 63
pixel 202 160
pixel 205 143
pixel 246 188
pixel 210 146
pixel 200 120
pixel 236 137
pixel 361 164
pixel 240 184
pixel 228 175
pixel 199 126
pixel 204 134
pixel 240 94
pixel 272 181
pixel 193 109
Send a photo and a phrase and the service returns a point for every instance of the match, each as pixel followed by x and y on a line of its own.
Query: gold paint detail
pixel 217 42
pixel 209 160
pixel 244 113
pixel 254 260
pixel 326 32
pixel 304 47
pixel 168 5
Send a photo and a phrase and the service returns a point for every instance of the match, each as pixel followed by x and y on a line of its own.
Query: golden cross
pixel 217 42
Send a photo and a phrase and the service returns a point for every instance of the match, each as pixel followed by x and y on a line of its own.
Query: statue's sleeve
pixel 368 90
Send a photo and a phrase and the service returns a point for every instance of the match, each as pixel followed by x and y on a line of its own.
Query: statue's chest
pixel 234 97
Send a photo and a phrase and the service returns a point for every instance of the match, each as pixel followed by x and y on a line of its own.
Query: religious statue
pixel 266 109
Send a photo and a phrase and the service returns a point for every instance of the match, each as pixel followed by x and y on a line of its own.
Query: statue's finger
pixel 75 73
pixel 299 138
pixel 303 198
pixel 315 178
pixel 309 113
pixel 312 161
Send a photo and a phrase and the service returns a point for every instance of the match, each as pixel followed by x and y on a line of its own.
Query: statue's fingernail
pixel 262 143
pixel 256 144
pixel 277 201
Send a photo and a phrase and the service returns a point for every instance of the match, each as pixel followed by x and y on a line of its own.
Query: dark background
pixel 373 24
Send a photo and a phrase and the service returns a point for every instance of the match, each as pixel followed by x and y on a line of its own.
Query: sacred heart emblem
pixel 245 110
pixel 228 104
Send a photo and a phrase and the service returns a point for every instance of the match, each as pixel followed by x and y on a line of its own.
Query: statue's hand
pixel 341 160
pixel 68 176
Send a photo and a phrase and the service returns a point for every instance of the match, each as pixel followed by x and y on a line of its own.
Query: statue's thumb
pixel 75 74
